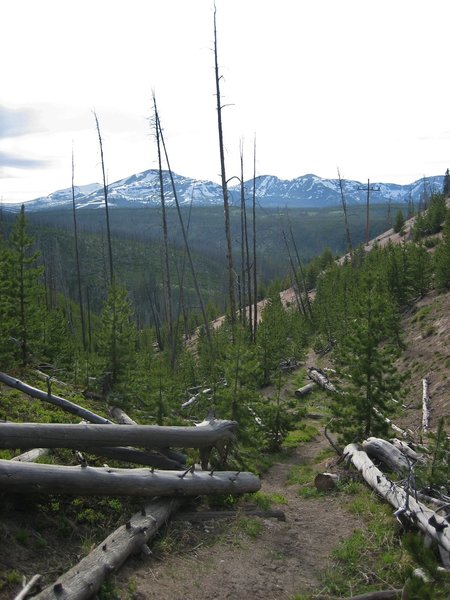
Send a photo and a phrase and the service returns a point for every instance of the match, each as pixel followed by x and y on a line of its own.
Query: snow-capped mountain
pixel 142 189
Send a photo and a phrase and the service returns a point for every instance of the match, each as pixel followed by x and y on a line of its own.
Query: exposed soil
pixel 283 559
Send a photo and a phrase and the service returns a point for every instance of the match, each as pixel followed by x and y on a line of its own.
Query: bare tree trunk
pixel 427 520
pixel 242 290
pixel 83 581
pixel 93 435
pixel 166 268
pixel 344 208
pixel 27 478
pixel 255 277
pixel 226 209
pixel 294 275
pixel 302 274
pixel 105 195
pixel 183 229
pixel 77 259
pixel 425 405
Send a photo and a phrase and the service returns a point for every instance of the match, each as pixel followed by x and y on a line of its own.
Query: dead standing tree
pixel 77 258
pixel 226 209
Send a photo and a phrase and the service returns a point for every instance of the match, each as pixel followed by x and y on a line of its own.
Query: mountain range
pixel 142 189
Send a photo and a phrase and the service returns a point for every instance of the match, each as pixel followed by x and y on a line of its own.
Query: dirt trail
pixel 284 559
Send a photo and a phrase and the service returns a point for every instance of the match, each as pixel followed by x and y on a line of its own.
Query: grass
pixel 305 433
pixel 372 558
pixel 265 501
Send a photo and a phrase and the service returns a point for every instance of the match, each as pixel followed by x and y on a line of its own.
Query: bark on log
pixel 84 480
pixel 425 405
pixel 84 580
pixel 149 458
pixel 321 379
pixel 57 435
pixel 306 389
pixel 121 417
pixel 427 520
pixel 405 433
pixel 387 453
pixel 52 399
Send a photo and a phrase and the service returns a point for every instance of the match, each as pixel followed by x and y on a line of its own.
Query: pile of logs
pixel 154 446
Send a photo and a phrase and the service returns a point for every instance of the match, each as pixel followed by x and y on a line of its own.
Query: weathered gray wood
pixel 84 580
pixel 85 480
pixel 321 379
pixel 419 514
pixel 63 435
pixel 28 587
pixel 387 453
pixel 425 405
pixel 306 389
pixel 150 458
pixel 173 456
pixel 52 399
pixel 406 450
pixel 31 455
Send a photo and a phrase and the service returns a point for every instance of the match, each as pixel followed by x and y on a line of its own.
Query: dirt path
pixel 282 560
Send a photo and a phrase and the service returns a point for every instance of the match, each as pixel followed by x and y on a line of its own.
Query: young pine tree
pixel 117 336
pixel 23 274
pixel 442 258
pixel 369 379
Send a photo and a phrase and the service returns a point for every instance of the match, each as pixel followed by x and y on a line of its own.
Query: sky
pixel 362 85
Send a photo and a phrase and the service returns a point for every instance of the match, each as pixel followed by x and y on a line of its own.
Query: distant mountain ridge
pixel 307 191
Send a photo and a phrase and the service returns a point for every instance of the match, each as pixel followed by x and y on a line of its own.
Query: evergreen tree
pixel 446 187
pixel 442 258
pixel 24 288
pixel 399 222
pixel 117 336
pixel 368 378
pixel 6 309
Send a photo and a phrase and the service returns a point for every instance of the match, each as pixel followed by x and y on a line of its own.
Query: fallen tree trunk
pixel 84 480
pixel 383 595
pixel 306 389
pixel 28 587
pixel 176 457
pixel 84 580
pixel 149 458
pixel 321 379
pixel 427 520
pixel 387 453
pixel 209 515
pixel 52 399
pixel 407 451
pixel 63 435
pixel 31 455
pixel 326 482
pixel 425 405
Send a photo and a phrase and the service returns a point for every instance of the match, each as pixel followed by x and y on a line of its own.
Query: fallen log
pixel 84 580
pixel 383 595
pixel 31 455
pixel 210 515
pixel 321 379
pixel 388 454
pixel 306 389
pixel 176 457
pixel 405 504
pixel 407 451
pixel 84 480
pixel 405 433
pixel 63 435
pixel 425 405
pixel 326 482
pixel 28 587
pixel 66 405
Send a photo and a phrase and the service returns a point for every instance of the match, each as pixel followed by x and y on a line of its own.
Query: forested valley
pixel 124 342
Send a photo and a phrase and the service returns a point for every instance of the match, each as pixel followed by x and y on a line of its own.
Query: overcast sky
pixel 359 84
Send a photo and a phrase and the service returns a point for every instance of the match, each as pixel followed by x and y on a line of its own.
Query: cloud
pixel 15 122
pixel 13 161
